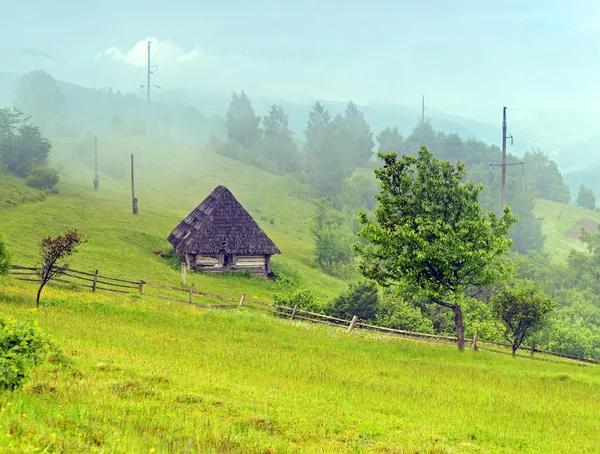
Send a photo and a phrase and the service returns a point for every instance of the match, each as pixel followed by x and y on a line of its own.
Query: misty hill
pixel 194 114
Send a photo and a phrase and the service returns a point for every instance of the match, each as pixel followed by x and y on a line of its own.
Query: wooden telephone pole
pixel 134 201
pixel 96 177
pixel 503 184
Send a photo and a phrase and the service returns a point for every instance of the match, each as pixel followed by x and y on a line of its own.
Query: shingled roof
pixel 221 224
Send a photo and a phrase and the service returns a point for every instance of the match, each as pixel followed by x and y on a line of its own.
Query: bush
pixel 305 299
pixel 4 258
pixel 399 313
pixel 44 178
pixel 22 346
pixel 361 299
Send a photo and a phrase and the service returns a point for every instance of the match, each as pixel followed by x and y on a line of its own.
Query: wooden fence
pixel 97 282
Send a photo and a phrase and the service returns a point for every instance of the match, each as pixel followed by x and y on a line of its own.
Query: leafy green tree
pixel 5 257
pixel 38 94
pixel 332 237
pixel 242 122
pixel 22 145
pixel 429 231
pixel 586 198
pixel 546 176
pixel 523 308
pixel 390 139
pixel 277 142
pixel 361 299
pixel 586 265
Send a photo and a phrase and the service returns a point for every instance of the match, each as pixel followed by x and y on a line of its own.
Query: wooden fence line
pixel 281 310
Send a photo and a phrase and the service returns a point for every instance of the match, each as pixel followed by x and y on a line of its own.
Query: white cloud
pixel 162 52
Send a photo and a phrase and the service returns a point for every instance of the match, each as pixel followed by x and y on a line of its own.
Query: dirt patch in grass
pixel 588 224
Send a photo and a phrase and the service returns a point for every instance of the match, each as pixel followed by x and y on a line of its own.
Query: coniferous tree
pixel 390 139
pixel 242 122
pixel 277 142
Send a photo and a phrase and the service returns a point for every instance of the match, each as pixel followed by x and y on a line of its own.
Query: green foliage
pixel 242 123
pixel 523 308
pixel 390 140
pixel 586 265
pixel 397 312
pixel 304 298
pixel 37 93
pixel 546 176
pixel 276 142
pixel 332 236
pixel 22 146
pixel 586 198
pixel 5 257
pixel 361 299
pixel 356 136
pixel 22 346
pixel 44 178
pixel 54 252
pixel 429 231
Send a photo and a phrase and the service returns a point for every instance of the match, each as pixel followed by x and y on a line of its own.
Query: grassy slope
pixel 558 244
pixel 174 379
pixel 170 181
pixel 164 376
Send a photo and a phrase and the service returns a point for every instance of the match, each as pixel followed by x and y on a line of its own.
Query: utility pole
pixel 503 187
pixel 423 109
pixel 134 201
pixel 96 177
pixel 148 84
pixel 505 136
pixel 147 87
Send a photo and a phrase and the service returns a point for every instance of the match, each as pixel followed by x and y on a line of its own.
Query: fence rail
pixel 169 293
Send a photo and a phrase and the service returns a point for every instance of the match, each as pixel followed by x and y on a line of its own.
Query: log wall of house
pixel 258 265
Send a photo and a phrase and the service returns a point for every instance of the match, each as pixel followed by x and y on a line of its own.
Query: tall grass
pixel 168 377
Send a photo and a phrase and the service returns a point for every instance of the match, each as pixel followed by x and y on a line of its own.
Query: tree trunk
pixel 37 298
pixel 458 323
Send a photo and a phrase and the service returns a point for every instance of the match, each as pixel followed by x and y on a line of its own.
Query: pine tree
pixel 277 142
pixel 242 122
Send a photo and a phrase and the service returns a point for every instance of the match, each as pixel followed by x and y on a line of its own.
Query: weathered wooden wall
pixel 258 265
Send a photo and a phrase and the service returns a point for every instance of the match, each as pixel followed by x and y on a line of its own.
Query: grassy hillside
pixel 148 377
pixel 171 180
pixel 561 224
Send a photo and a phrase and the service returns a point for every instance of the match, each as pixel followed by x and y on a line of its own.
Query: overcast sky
pixel 464 53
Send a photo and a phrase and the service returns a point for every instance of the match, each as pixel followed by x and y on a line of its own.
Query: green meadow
pixel 154 376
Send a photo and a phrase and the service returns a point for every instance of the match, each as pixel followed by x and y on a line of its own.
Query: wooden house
pixel 220 236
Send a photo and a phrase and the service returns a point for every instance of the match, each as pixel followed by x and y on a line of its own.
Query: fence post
pixel 190 295
pixel 242 299
pixel 474 347
pixel 95 281
pixel 352 322
pixel 184 272
pixel 294 312
pixel 141 287
pixel 532 348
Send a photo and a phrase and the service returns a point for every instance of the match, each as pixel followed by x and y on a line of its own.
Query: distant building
pixel 220 236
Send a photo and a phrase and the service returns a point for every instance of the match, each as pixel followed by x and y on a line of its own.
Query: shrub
pixel 361 299
pixel 399 313
pixel 4 258
pixel 44 178
pixel 22 346
pixel 305 299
